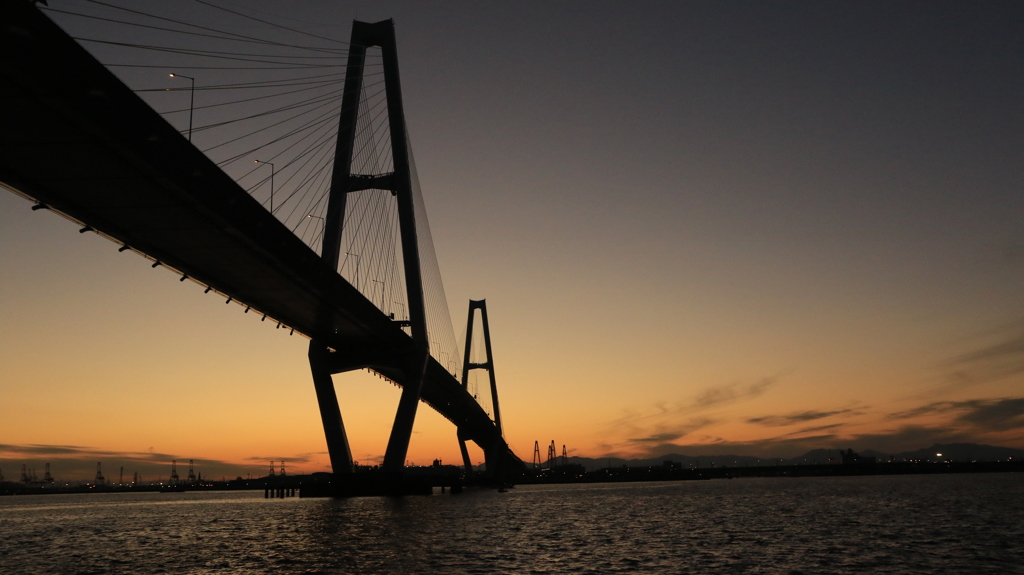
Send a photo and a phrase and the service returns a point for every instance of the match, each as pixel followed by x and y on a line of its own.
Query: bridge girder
pixel 78 141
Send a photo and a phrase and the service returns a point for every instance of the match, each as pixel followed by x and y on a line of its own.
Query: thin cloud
pixel 657 438
pixel 667 422
pixel 797 417
pixel 33 450
pixel 969 421
pixel 43 449
pixel 930 408
pixel 1000 414
pixel 781 447
pixel 993 362
pixel 789 445
pixel 708 398
pixel 300 458
pixel 814 429
pixel 997 415
pixel 730 393
pixel 910 437
pixel 666 434
pixel 73 463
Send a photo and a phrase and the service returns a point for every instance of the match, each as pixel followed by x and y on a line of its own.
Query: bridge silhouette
pixel 79 142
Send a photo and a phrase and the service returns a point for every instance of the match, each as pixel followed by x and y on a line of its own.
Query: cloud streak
pixel 667 422
pixel 669 433
pixel 75 462
pixel 984 414
pixel 34 450
pixel 797 417
pixel 966 421
pixel 709 398
pixel 996 361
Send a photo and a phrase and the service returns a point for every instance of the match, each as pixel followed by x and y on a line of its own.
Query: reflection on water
pixel 935 524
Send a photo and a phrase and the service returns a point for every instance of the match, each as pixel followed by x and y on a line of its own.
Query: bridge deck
pixel 76 139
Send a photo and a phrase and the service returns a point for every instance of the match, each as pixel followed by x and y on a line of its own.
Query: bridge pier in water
pixel 330 413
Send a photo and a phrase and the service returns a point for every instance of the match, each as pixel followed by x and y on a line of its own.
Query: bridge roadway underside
pixel 77 140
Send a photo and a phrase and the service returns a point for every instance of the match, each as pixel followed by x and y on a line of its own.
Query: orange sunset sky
pixel 699 228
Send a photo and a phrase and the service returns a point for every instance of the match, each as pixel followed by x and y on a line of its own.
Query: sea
pixel 943 524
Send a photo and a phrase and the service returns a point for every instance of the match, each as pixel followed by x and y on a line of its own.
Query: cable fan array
pixel 262 99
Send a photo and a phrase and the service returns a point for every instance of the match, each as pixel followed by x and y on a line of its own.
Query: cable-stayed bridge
pixel 318 139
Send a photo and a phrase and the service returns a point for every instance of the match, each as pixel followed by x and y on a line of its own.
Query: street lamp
pixel 322 222
pixel 271 164
pixel 191 101
pixel 381 293
pixel 357 266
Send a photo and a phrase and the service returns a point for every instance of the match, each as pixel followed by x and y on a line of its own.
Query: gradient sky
pixel 712 227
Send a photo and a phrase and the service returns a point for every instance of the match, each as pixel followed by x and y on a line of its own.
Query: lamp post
pixel 191 101
pixel 357 266
pixel 271 164
pixel 381 293
pixel 322 223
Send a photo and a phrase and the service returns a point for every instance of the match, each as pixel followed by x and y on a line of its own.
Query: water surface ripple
pixel 970 524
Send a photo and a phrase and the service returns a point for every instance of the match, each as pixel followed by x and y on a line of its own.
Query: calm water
pixel 937 524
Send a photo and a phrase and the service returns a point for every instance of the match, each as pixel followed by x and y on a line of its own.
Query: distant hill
pixel 952 452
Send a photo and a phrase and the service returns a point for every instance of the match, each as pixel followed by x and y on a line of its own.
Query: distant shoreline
pixel 576 474
pixel 571 474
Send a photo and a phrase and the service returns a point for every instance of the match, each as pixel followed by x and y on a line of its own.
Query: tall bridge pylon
pixel 123 172
pixel 412 361
pixel 488 364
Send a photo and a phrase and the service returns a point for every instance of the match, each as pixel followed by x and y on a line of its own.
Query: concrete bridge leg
pixel 330 413
pixel 401 431
pixel 492 458
pixel 465 457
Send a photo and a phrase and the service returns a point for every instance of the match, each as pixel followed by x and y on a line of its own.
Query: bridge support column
pixel 493 458
pixel 466 461
pixel 330 413
pixel 401 431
